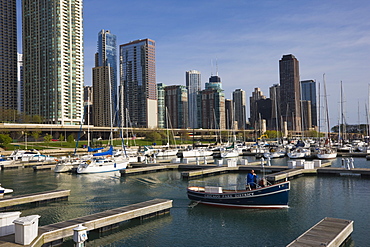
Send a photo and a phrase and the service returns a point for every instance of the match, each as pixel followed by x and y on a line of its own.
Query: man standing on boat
pixel 251 180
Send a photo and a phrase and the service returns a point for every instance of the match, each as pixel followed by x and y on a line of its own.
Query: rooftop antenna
pixel 216 67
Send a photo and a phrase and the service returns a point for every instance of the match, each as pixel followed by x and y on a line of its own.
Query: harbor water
pixel 189 224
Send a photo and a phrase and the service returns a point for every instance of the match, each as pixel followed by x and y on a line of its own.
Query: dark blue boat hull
pixel 274 196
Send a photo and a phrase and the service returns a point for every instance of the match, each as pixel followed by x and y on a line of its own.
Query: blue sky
pixel 247 38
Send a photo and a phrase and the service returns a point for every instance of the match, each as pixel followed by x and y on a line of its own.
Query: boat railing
pixel 202 184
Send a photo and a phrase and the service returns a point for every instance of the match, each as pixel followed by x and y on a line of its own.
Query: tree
pixel 5 140
pixel 36 134
pixel 70 138
pixel 47 138
pixel 153 136
pixel 61 137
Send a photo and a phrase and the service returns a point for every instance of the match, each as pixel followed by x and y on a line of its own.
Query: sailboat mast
pixel 327 110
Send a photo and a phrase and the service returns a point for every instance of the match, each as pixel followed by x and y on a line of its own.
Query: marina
pixel 311 199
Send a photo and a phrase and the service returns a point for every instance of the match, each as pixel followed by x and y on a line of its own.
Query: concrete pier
pixel 329 232
pixel 55 233
pixel 34 198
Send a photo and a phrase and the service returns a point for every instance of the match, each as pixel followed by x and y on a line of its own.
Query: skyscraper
pixel 53 60
pixel 20 92
pixel 275 101
pixel 105 81
pixel 8 58
pixel 193 84
pixel 212 105
pixel 138 75
pixel 257 94
pixel 308 88
pixel 176 98
pixel 239 100
pixel 161 105
pixel 290 92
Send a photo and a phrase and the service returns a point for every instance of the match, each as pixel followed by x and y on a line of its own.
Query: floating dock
pixel 55 233
pixel 329 232
pixel 34 198
pixel 148 169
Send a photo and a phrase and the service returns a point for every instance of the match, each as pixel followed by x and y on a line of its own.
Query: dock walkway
pixel 34 197
pixel 329 232
pixel 99 221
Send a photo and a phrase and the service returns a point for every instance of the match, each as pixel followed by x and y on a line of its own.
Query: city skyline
pixel 247 39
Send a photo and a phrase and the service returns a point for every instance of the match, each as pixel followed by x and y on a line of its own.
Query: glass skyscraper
pixel 53 60
pixel 105 81
pixel 8 58
pixel 193 84
pixel 138 77
pixel 308 88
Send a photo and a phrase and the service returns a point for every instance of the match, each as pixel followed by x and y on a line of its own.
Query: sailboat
pixel 326 151
pixel 108 160
pixel 167 151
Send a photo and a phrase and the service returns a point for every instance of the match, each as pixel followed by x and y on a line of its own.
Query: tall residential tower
pixel 193 84
pixel 8 58
pixel 138 77
pixel 105 80
pixel 53 60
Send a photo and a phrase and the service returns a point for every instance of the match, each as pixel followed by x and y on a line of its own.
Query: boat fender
pixel 88 161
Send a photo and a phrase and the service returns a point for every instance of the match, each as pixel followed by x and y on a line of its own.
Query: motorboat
pixel 270 196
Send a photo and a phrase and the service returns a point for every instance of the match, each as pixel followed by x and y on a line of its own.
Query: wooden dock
pixel 147 169
pixel 100 221
pixel 363 172
pixel 329 232
pixel 23 164
pixel 35 197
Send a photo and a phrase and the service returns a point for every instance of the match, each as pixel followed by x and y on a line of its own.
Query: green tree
pixel 5 140
pixel 61 137
pixel 70 138
pixel 36 134
pixel 153 136
pixel 47 138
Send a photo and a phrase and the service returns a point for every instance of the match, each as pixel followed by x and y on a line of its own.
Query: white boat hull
pixel 98 165
pixel 196 153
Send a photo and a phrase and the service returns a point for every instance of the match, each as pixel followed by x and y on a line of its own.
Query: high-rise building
pixel 88 105
pixel 254 120
pixel 308 88
pixel 212 105
pixel 53 60
pixel 275 108
pixel 193 84
pixel 102 96
pixel 107 56
pixel 306 114
pixel 8 58
pixel 105 81
pixel 290 92
pixel 229 114
pixel 239 100
pixel 176 98
pixel 20 92
pixel 138 75
pixel 161 105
